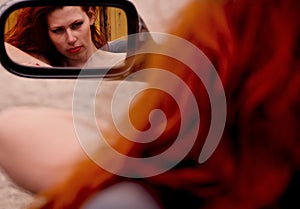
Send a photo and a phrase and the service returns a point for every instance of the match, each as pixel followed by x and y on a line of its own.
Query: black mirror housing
pixel 122 44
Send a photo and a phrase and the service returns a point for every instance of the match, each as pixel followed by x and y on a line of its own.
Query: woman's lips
pixel 75 49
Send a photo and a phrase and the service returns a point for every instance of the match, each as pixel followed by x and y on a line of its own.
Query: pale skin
pixel 23 58
pixel 44 146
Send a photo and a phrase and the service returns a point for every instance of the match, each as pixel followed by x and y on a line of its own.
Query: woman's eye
pixel 77 25
pixel 57 30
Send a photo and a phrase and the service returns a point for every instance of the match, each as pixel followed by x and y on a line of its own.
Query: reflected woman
pixel 60 36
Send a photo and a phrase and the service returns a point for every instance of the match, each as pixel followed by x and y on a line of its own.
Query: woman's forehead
pixel 65 16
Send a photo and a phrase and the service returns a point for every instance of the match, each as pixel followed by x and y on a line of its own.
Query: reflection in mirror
pixel 66 36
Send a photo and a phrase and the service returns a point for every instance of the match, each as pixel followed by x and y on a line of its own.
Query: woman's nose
pixel 71 37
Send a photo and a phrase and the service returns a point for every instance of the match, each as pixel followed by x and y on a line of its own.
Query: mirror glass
pixel 67 36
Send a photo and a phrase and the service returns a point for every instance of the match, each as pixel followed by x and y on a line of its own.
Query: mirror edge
pixel 60 72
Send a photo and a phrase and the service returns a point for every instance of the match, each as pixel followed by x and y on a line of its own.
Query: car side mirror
pixel 65 39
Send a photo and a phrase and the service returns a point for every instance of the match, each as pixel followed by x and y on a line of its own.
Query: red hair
pixel 254 45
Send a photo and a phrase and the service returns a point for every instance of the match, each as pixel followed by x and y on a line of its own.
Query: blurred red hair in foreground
pixel 255 47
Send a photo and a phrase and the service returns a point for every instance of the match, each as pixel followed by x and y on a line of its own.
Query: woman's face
pixel 69 30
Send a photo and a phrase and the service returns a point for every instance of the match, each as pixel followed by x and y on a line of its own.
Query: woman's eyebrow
pixel 76 21
pixel 55 27
pixel 67 25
